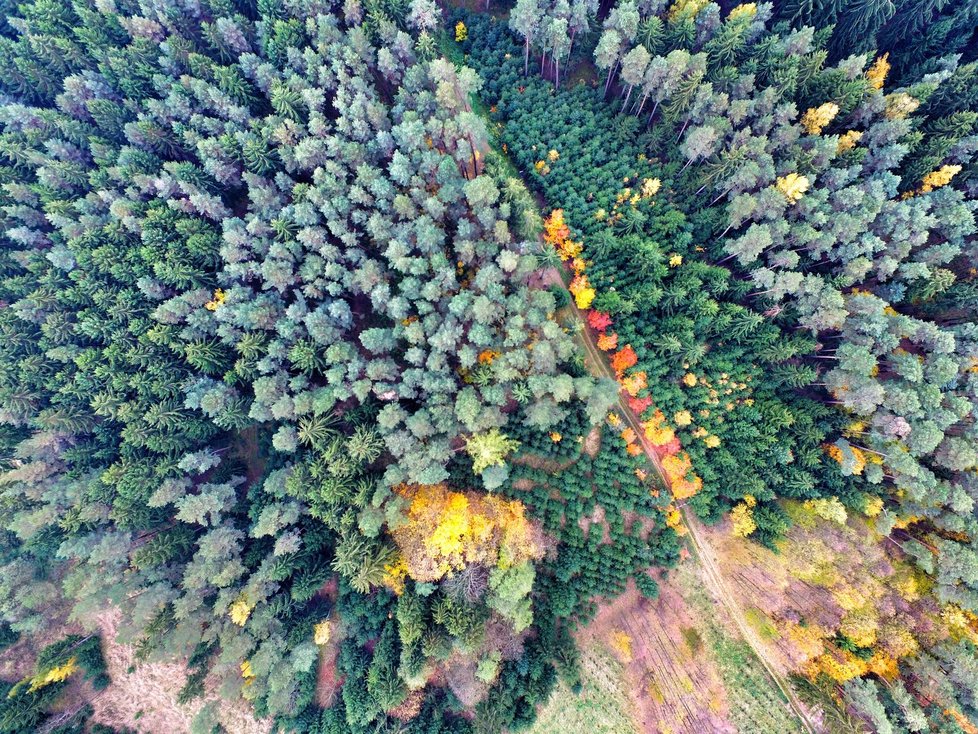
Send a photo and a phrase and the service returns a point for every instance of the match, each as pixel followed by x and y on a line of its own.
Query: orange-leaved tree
pixel 557 233
pixel 623 359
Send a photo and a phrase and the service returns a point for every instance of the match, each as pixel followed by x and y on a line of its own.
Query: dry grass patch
pixel 603 705
pixel 143 696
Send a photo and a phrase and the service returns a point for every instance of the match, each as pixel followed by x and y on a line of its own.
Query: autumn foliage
pixel 582 291
pixel 557 234
pixel 446 531
pixel 598 320
pixel 677 467
pixel 607 342
pixel 684 484
pixel 639 405
pixel 634 383
pixel 623 359
pixel 656 430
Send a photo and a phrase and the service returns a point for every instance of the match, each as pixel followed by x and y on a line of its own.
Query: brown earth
pixel 674 688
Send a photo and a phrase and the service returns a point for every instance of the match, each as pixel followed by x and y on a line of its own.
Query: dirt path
pixel 598 365
pixel 718 589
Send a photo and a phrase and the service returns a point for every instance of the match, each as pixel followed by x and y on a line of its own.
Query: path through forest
pixel 598 365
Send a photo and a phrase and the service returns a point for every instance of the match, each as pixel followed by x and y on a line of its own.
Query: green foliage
pixel 489 449
pixel 915 34
pixel 8 636
pixel 765 201
pixel 383 682
pixel 24 706
pixel 565 488
pixel 261 265
pixel 235 221
pixel 678 319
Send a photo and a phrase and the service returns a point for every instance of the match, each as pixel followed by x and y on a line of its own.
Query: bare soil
pixel 673 688
pixel 592 442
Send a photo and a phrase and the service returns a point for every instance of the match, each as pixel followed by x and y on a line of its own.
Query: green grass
pixel 602 706
pixel 584 72
pixel 694 640
pixel 762 624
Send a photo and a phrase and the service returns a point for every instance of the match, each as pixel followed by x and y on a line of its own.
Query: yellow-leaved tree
pixel 445 531
pixel 816 118
pixel 792 187
pixel 876 74
pixel 742 520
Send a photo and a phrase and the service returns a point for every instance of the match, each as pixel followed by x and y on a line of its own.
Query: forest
pixel 366 366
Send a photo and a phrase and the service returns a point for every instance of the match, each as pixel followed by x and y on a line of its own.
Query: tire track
pixel 598 365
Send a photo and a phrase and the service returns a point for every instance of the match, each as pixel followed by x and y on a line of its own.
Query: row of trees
pixel 605 510
pixel 785 247
pixel 255 276
pixel 551 29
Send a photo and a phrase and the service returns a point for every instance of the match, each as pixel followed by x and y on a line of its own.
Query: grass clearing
pixel 603 705
pixel 761 623
pixel 756 705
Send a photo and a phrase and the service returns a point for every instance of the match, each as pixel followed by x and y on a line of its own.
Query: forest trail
pixel 718 590
pixel 598 365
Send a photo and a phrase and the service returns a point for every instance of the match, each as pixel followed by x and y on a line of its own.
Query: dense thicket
pixel 681 315
pixel 259 296
pixel 915 34
pixel 810 206
pixel 786 246
pixel 280 381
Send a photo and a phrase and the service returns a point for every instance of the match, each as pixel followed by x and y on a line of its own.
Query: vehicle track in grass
pixel 598 365
pixel 700 548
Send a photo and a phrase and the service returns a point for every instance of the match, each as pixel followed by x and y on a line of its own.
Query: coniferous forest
pixel 392 366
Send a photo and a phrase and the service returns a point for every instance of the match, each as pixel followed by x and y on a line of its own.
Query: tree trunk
pixel 526 58
pixel 611 72
pixel 654 108
pixel 475 159
pixel 642 106
pixel 683 130
pixel 627 97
